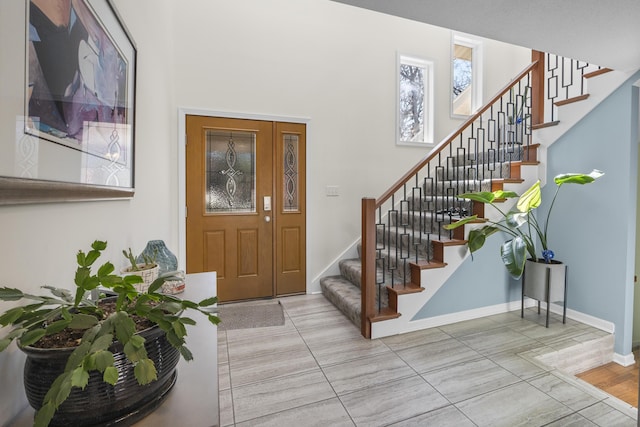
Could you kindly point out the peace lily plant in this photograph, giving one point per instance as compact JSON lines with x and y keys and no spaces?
{"x":521,"y":223}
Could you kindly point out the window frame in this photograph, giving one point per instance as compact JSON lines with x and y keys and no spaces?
{"x":475,"y":45}
{"x":428,"y":99}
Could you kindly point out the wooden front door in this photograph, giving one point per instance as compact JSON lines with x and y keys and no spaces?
{"x":245,"y":205}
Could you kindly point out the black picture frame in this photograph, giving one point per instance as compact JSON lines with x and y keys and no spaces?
{"x":72,"y":141}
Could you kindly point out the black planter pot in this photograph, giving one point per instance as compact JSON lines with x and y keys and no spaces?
{"x":101,"y":404}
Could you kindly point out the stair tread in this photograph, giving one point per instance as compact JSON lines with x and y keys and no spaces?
{"x":344,"y":295}
{"x":450,"y":242}
{"x":385,"y":314}
{"x":597,"y":73}
{"x":571,"y":100}
{"x":353,"y":269}
{"x":408,"y":288}
{"x":545,"y":125}
{"x":509,"y":180}
{"x":426,"y":265}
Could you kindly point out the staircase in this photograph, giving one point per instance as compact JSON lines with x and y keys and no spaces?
{"x":404,"y":246}
{"x":423,"y":232}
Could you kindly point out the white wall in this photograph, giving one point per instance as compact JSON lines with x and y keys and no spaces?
{"x":335,"y":65}
{"x":38,"y":243}
{"x":316,"y":59}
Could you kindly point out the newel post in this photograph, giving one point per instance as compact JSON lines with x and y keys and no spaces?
{"x":537,"y":88}
{"x":368,"y":280}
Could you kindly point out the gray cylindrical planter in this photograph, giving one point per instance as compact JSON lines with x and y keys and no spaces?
{"x":545,"y":282}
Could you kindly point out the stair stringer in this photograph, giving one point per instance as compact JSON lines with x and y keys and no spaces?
{"x":599,"y":88}
{"x":433,"y":279}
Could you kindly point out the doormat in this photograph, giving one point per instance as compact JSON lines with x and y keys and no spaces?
{"x":247,"y":315}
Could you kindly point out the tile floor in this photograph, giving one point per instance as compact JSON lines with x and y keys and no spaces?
{"x":317,"y":370}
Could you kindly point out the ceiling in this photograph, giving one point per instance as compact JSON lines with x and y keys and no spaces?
{"x":602,"y":32}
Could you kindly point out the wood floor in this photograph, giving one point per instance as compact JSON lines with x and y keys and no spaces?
{"x":619,"y":381}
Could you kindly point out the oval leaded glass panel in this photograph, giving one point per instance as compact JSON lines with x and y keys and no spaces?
{"x":230,"y":172}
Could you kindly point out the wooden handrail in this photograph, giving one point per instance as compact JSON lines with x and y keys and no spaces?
{"x":445,"y":142}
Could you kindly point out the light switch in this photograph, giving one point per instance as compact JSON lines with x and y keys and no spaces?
{"x":332,"y":190}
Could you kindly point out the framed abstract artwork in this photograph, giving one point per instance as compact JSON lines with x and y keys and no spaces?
{"x":67,"y":115}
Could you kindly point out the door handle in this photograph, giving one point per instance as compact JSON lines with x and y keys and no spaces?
{"x":267,"y":218}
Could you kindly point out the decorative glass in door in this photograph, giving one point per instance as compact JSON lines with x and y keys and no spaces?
{"x":290,"y":168}
{"x":230,"y":172}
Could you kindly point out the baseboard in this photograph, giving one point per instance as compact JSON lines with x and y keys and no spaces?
{"x":603,"y":325}
{"x":447,"y":319}
{"x":624,"y":360}
{"x":399,"y":326}
{"x":596,"y":322}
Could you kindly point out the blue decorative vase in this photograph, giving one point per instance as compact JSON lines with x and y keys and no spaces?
{"x":165,"y":259}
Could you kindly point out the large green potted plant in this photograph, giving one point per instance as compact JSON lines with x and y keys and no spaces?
{"x":99,"y":361}
{"x":521,"y":224}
